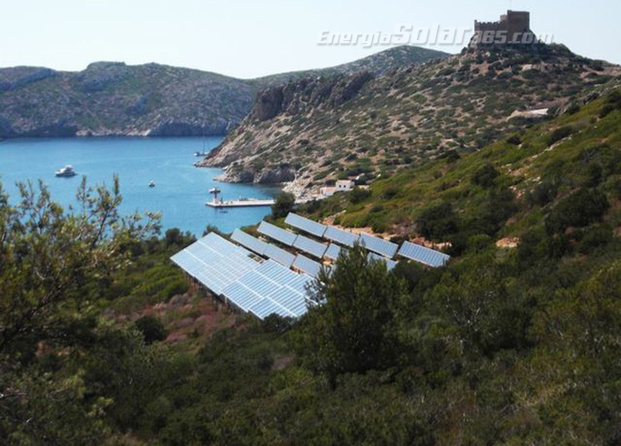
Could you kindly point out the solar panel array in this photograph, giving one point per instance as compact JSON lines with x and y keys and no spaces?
{"x":215,"y":262}
{"x":307,"y":265}
{"x":390,"y":264}
{"x":306,"y":225}
{"x":250,"y":242}
{"x":340,"y":236}
{"x":310,"y":246}
{"x":271,"y":287}
{"x":378,"y":245}
{"x":333,"y":251}
{"x":268,"y":289}
{"x":423,"y":255}
{"x":283,"y":236}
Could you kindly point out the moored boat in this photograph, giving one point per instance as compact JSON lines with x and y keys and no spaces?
{"x":66,"y":172}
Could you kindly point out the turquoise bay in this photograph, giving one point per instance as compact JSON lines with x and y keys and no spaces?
{"x":180,"y":191}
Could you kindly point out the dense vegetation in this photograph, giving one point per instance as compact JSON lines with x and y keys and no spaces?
{"x":502,"y":346}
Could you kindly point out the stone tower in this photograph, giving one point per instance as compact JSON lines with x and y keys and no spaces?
{"x":513,"y":28}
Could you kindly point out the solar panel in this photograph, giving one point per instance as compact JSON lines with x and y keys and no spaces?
{"x":378,"y":245}
{"x":249,"y":241}
{"x":310,"y":226}
{"x":333,"y":251}
{"x":283,"y":236}
{"x":268,"y":307}
{"x":340,"y":236}
{"x":423,"y":255}
{"x":270,"y":288}
{"x":258,"y":288}
{"x":310,"y":246}
{"x":280,"y":255}
{"x":390,"y":264}
{"x":307,"y":265}
{"x":215,"y":262}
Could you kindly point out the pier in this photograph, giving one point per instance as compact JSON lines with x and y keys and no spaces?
{"x":250,"y":202}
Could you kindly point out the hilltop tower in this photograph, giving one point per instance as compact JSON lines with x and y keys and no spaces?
{"x":513,"y":29}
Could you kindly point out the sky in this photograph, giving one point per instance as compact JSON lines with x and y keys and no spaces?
{"x":252,"y":38}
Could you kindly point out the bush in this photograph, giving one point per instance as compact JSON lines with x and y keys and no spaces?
{"x":391,"y":192}
{"x":151,"y":328}
{"x":514,"y":140}
{"x":358,"y":195}
{"x":438,"y":221}
{"x":485,"y":176}
{"x":543,"y":193}
{"x":594,"y":237}
{"x":579,"y":209}
{"x":559,"y":134}
{"x":613,"y":102}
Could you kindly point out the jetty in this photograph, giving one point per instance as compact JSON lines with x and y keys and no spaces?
{"x":244,"y":203}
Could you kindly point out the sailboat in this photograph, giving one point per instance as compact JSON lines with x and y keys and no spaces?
{"x":204,"y":152}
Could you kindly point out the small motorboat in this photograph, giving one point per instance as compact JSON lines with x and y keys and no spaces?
{"x":66,"y":172}
{"x":152,"y":183}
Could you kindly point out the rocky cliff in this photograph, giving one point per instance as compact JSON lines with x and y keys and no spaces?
{"x":109,"y":98}
{"x":363,"y":125}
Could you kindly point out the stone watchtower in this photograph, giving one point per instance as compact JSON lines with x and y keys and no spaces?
{"x":513,"y":28}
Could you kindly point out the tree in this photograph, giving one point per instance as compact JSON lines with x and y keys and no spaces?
{"x":173,"y":236}
{"x":353,"y":331}
{"x":52,"y":258}
{"x":283,"y":205}
{"x":486,"y":314}
{"x":53,"y":266}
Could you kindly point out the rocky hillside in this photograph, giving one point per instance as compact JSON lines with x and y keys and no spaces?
{"x":347,"y":126}
{"x":536,"y":178}
{"x":148,"y":100}
{"x":116,"y":99}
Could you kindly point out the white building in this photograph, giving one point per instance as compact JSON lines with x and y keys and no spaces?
{"x":344,"y":185}
{"x":341,"y":186}
{"x":327,"y":191}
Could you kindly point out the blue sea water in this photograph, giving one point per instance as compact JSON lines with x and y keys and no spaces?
{"x":181,"y":189}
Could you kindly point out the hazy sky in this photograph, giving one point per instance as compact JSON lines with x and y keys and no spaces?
{"x":249,"y":38}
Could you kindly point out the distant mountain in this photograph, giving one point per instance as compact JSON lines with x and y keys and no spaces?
{"x":110,"y":98}
{"x":380,"y":63}
{"x":317,"y":129}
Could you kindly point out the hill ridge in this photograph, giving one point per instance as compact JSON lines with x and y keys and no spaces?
{"x":113,"y":98}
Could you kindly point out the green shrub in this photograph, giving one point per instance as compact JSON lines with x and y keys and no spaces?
{"x":437,"y":221}
{"x":514,"y":140}
{"x":543,"y":193}
{"x":151,"y":328}
{"x":358,"y":195}
{"x":559,"y":134}
{"x":485,"y":176}
{"x":579,"y":209}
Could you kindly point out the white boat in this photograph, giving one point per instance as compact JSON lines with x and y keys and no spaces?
{"x":203,"y":153}
{"x":66,"y":172}
{"x":152,"y":183}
